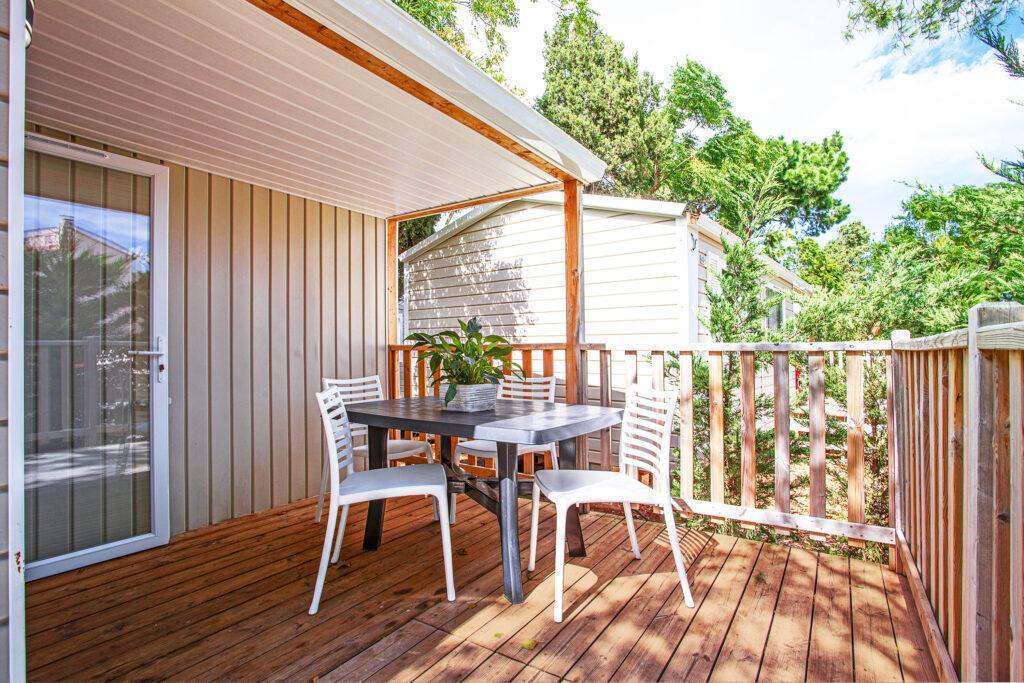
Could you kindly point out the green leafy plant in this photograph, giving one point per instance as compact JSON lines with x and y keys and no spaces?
{"x":475,"y":359}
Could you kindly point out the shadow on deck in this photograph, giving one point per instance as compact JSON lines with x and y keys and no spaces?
{"x":229,"y":602}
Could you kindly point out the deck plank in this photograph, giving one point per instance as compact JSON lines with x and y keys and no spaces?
{"x":604,"y":655}
{"x":785,"y":653}
{"x":745,"y":642}
{"x":697,"y":652}
{"x":915,"y":658}
{"x":874,"y":642}
{"x":624,"y":578}
{"x":648,"y":658}
{"x":384,"y":617}
{"x":830,"y":657}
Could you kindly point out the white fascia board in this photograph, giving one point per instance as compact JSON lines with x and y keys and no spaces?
{"x":458,"y":225}
{"x":381,"y":28}
{"x":650,"y":207}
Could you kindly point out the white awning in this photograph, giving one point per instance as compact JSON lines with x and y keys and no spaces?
{"x":222,"y":86}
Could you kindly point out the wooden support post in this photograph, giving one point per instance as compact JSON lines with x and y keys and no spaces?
{"x":1016,"y":549}
{"x":573,"y":191}
{"x":748,"y":435}
{"x":816,"y":406}
{"x":573,"y":211}
{"x":606,"y":401}
{"x":686,"y":424}
{"x":980,"y":515}
{"x":391,"y":284}
{"x":780,"y":369}
{"x":717,"y":428}
{"x":895,"y":392}
{"x":855,"y":438}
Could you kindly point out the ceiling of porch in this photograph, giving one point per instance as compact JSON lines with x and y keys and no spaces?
{"x":224,"y":87}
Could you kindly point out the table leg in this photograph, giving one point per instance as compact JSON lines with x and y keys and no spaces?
{"x":573,"y":529}
{"x":508,"y":521}
{"x":446,"y":449}
{"x":377,"y":443}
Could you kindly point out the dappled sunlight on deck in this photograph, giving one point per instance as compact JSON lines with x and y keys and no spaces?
{"x":229,"y":602}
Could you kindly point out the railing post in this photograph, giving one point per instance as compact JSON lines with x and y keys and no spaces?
{"x":895,"y":386}
{"x":980,"y":515}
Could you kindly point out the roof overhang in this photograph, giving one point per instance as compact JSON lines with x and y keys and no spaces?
{"x":351,"y":102}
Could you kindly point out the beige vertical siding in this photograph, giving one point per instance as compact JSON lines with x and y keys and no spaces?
{"x":268,"y":292}
{"x":509,"y":269}
{"x":4,"y":607}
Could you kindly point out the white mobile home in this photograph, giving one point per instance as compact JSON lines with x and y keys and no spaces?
{"x":647,"y":267}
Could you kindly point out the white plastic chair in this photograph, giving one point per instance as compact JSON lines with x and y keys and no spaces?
{"x":359,"y":487}
{"x":531,"y":388}
{"x":643,"y":446}
{"x":360,"y":390}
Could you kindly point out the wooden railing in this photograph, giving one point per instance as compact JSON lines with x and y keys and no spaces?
{"x":953,"y":407}
{"x":959,"y":400}
{"x":607,"y":373}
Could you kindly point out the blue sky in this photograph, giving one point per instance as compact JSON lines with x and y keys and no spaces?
{"x":918,"y":116}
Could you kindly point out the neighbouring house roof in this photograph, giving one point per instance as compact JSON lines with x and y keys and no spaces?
{"x":706,"y":225}
{"x":223,"y":86}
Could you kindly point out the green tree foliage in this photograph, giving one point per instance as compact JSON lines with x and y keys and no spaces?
{"x":602,"y":98}
{"x":909,"y":20}
{"x":411,"y":233}
{"x":488,"y":17}
{"x":723,"y":168}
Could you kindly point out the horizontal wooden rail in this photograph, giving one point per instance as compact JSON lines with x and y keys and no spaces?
{"x":770,"y":347}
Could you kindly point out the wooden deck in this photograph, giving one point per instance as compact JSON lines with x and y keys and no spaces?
{"x":229,"y":602}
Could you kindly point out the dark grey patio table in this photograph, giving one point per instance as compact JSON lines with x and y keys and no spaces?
{"x":512,"y":422}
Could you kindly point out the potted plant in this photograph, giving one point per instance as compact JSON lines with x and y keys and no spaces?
{"x":472,"y":367}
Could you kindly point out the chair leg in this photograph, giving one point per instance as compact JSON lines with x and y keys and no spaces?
{"x":325,"y":556}
{"x":553,"y":455}
{"x":341,"y":534}
{"x":446,"y":545}
{"x":451,"y":508}
{"x":434,"y":502}
{"x":323,"y":490}
{"x":677,"y":555}
{"x":535,"y":517}
{"x":559,"y":559}
{"x":627,"y":509}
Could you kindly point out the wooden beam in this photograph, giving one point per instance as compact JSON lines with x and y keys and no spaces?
{"x":785,"y":520}
{"x":488,"y":199}
{"x":391,"y":286}
{"x":315,"y":30}
{"x":573,"y":190}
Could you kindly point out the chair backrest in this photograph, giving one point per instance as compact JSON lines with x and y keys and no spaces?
{"x":646,"y":438}
{"x":338,"y":432}
{"x":531,"y":388}
{"x":357,"y":390}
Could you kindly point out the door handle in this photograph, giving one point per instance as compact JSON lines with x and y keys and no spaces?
{"x":158,"y":352}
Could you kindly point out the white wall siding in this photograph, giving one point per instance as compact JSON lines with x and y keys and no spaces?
{"x":509,"y":269}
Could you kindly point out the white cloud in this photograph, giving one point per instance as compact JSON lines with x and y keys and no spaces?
{"x":922,"y":116}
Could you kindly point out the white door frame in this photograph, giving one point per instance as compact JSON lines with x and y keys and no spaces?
{"x":160,"y":478}
{"x":16,"y":668}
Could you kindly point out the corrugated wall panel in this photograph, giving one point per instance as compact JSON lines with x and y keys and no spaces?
{"x":267,"y":293}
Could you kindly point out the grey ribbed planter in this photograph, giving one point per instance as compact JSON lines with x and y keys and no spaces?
{"x":471,"y":398}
